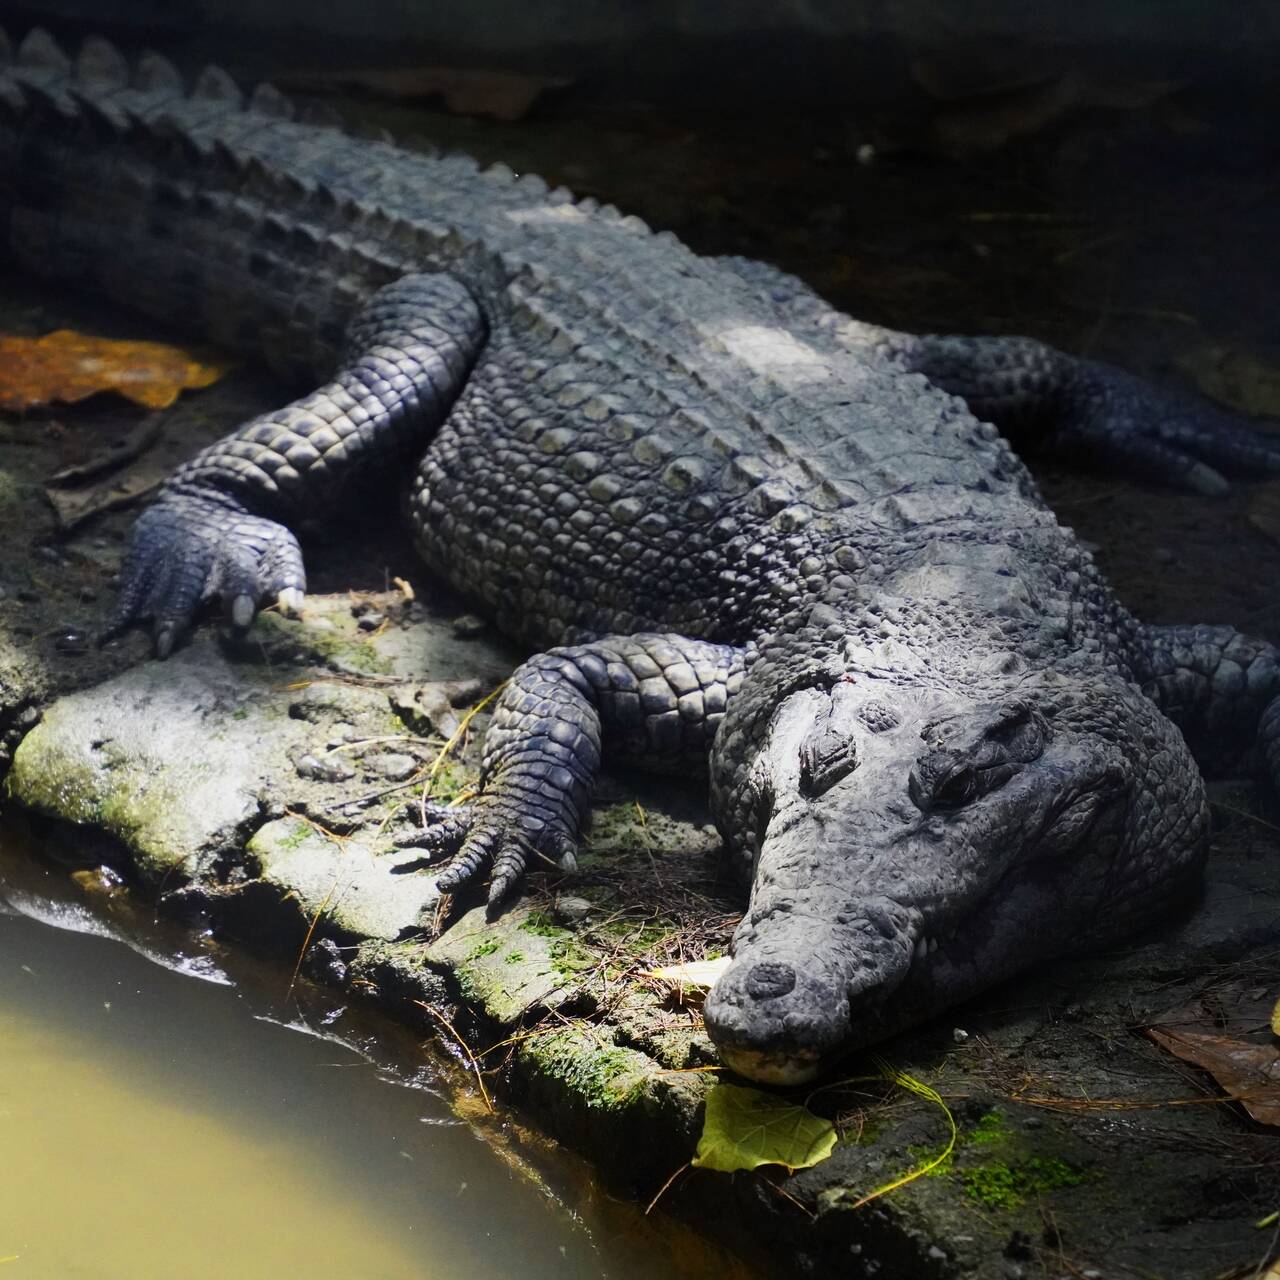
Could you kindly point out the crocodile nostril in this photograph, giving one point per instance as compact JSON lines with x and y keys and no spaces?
{"x":765,"y":981}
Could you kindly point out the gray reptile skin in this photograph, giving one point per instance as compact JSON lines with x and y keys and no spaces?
{"x":752,"y":531}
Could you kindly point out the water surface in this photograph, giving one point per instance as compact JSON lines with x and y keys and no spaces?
{"x":156,"y":1125}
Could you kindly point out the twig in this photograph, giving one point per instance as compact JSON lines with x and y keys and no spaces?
{"x":454,"y":738}
{"x":306,"y":941}
{"x":462,"y":1044}
{"x":662,"y":1189}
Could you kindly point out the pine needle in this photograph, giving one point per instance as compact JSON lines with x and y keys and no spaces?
{"x":918,"y":1087}
{"x":454,"y":738}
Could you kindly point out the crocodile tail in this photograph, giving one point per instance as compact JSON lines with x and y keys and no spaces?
{"x":117,"y":175}
{"x":39,"y":71}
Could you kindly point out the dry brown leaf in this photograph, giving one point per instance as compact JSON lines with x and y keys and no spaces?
{"x":1264,"y":511}
{"x":67,"y":366}
{"x":1248,"y":1072}
{"x":693,"y":979}
{"x":1275,"y":1019}
{"x":501,"y":95}
{"x":986,"y":121}
{"x":1236,"y":379}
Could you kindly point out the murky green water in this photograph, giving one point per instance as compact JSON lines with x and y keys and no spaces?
{"x":153,"y":1124}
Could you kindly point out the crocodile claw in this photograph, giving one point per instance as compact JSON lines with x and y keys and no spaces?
{"x":490,"y":834}
{"x":190,"y":548}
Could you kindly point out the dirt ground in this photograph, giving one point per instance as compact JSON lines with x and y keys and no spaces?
{"x":1142,"y":234}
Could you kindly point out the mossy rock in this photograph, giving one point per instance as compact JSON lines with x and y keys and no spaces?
{"x":511,"y":966}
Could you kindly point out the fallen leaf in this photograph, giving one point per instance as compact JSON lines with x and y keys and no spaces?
{"x":745,"y":1128}
{"x":701,"y":974}
{"x":67,"y":366}
{"x":98,"y":484}
{"x":986,"y":121}
{"x":500,"y":95}
{"x":74,"y":506}
{"x":1236,"y":379}
{"x":1248,"y":1072}
{"x":1275,"y":1019}
{"x":1264,"y":511}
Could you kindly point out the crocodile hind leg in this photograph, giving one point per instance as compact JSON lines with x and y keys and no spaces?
{"x":654,"y":700}
{"x":1088,"y":410}
{"x":1222,"y":689}
{"x":220,"y":526}
{"x":1043,"y":398}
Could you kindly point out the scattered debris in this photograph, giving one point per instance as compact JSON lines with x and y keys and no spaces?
{"x":468,"y":626}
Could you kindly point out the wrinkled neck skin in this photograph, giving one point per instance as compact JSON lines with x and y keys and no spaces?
{"x":923,"y":813}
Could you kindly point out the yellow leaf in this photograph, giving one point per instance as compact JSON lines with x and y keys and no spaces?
{"x":67,"y":366}
{"x":1275,"y":1019}
{"x":1236,"y":379}
{"x":745,"y":1128}
{"x":702,"y":974}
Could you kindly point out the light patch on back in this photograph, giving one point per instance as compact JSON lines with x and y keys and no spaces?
{"x":547,"y":215}
{"x":774,"y":353}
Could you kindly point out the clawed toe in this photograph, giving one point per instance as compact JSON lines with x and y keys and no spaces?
{"x":290,"y":601}
{"x":191,"y":548}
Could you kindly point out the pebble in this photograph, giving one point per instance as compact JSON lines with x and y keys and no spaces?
{"x":959,"y":1035}
{"x":394,"y":765}
{"x":468,"y":626}
{"x":325,"y":962}
{"x":570,"y":910}
{"x":50,"y":554}
{"x":271,"y":807}
{"x":371,"y":621}
{"x":462,"y":693}
{"x":28,"y":595}
{"x":71,"y":640}
{"x":330,"y":769}
{"x":87,"y":595}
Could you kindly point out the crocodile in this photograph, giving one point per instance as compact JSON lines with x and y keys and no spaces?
{"x":741,"y":533}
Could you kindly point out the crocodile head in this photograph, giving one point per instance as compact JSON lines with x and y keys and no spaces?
{"x":916,"y":840}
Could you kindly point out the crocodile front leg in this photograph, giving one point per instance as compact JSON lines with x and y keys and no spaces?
{"x":219,"y":528}
{"x":1221,"y":688}
{"x":652,"y":700}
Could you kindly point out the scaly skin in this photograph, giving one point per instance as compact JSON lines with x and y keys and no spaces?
{"x":752,"y":531}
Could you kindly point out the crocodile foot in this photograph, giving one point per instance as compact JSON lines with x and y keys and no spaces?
{"x":190,"y":548}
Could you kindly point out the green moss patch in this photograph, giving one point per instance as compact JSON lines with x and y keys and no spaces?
{"x":1004,"y":1186}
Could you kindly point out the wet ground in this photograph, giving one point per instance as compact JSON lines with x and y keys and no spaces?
{"x":1142,"y":234}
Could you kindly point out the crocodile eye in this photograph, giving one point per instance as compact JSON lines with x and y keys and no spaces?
{"x":944,"y":781}
{"x":826,"y":756}
{"x":956,"y":788}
